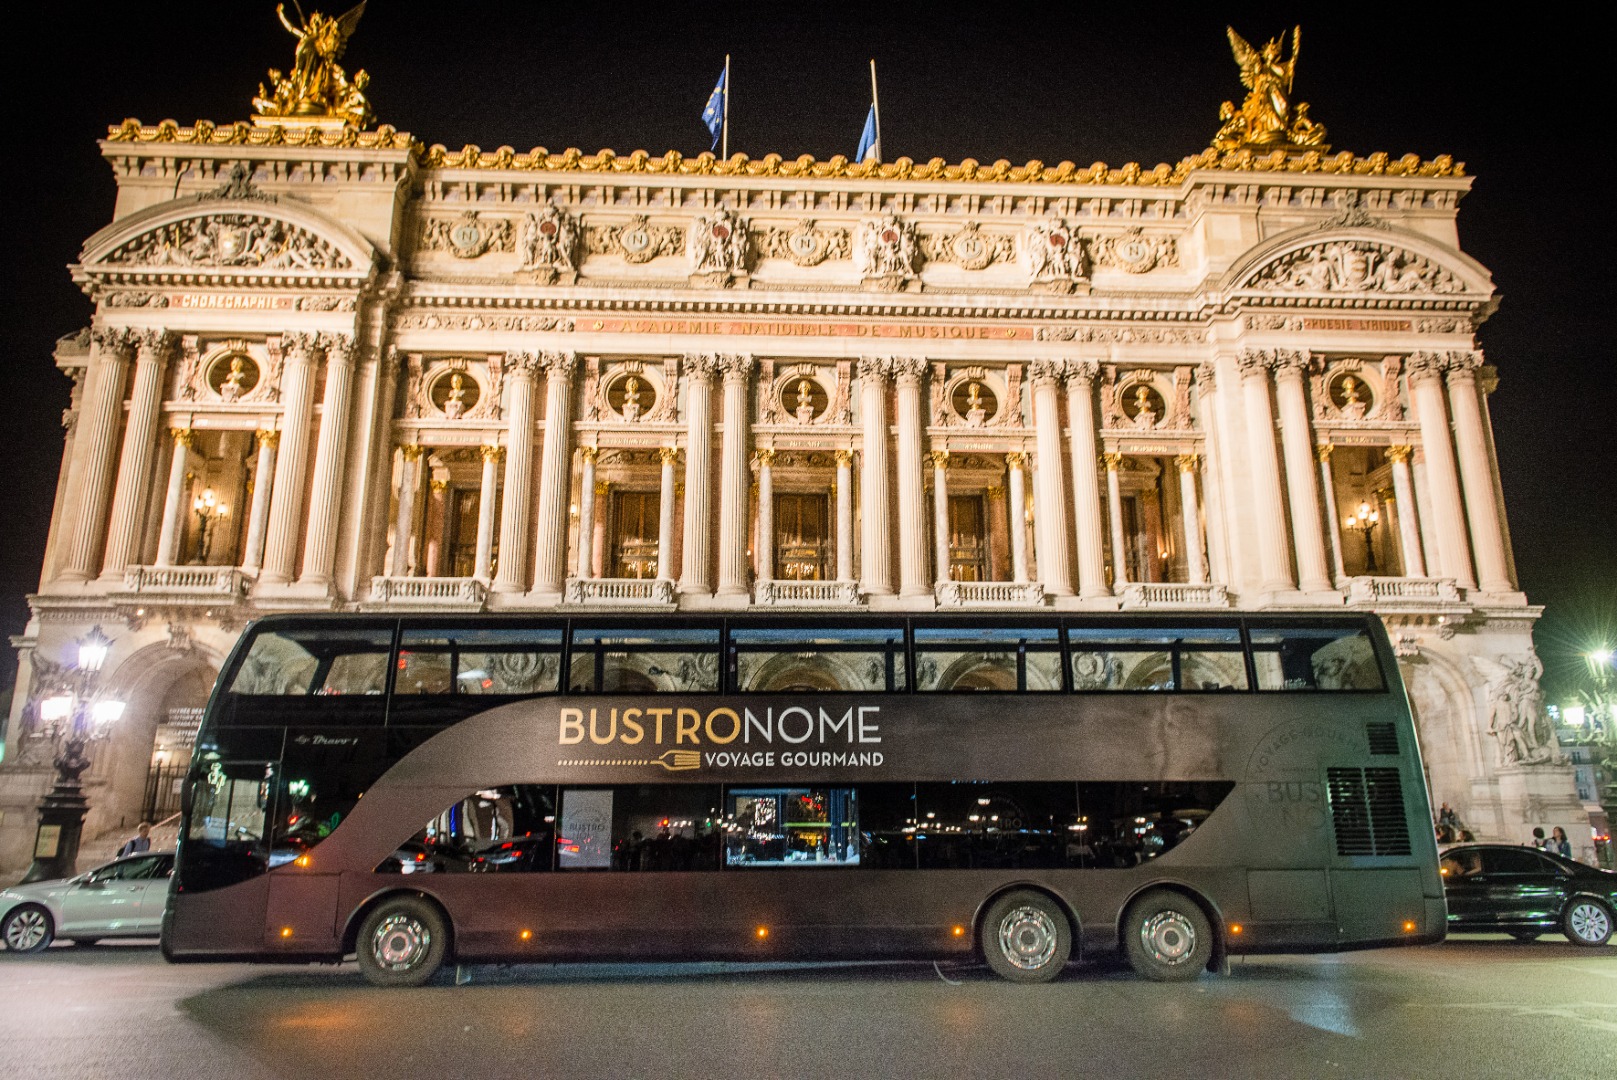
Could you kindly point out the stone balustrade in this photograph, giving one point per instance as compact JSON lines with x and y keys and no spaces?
{"x":1174,"y":594}
{"x":834,"y":594}
{"x":201,"y":582}
{"x":620,"y":592}
{"x":428,"y":592}
{"x":990,"y":594}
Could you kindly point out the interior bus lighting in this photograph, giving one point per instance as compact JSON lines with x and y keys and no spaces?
{"x":762,"y":932}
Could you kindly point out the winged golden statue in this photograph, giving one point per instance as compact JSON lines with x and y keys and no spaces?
{"x":1267,"y":118}
{"x":317,"y":87}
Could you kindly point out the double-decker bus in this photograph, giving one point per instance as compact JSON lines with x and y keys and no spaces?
{"x":1027,"y":790}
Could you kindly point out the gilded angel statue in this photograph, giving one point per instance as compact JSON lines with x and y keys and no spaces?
{"x":1266,"y":118}
{"x":317,"y":86}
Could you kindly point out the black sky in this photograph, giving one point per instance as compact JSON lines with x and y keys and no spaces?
{"x":1521,"y":101}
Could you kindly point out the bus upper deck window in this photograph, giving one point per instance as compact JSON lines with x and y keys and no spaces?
{"x":975,"y":658}
{"x":644,"y":660}
{"x":324,"y":660}
{"x":454,"y":660}
{"x":794,"y":659}
{"x":1315,"y":658}
{"x":1171,"y":658}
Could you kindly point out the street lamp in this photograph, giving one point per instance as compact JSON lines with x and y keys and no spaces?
{"x":72,"y":717}
{"x":1365,"y":522}
{"x":209,"y":511}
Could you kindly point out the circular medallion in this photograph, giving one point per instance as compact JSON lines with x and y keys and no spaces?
{"x":233,"y":377}
{"x":1058,"y":239}
{"x":466,"y":237}
{"x":971,"y":250}
{"x":630,"y":396}
{"x":889,"y":236}
{"x":805,"y":248}
{"x":803,"y":399}
{"x":974,"y":402}
{"x":637,"y":243}
{"x":721,"y":231}
{"x":454,"y":393}
{"x":547,"y":228}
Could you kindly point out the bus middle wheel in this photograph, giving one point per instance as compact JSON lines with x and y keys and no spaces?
{"x":402,"y":942}
{"x":1166,"y":937}
{"x":1026,"y":937}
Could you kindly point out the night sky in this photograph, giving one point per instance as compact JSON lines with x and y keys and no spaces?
{"x":1521,"y":102}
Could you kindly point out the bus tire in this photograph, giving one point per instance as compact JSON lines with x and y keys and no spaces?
{"x":1587,"y":922}
{"x":1166,"y":937}
{"x":402,"y":942}
{"x":1026,"y":937}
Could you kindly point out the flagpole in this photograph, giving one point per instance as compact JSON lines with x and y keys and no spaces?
{"x":875,"y":106}
{"x":726,"y":129}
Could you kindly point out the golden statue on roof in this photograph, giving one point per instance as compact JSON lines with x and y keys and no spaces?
{"x":317,"y":88}
{"x":1266,"y":119}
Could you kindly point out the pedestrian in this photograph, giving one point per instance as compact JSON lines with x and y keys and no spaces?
{"x":1559,"y":843}
{"x":1538,"y":841}
{"x":138,"y":843}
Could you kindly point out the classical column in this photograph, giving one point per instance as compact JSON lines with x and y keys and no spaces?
{"x":292,"y":463}
{"x":1476,"y":473}
{"x":1210,"y":415}
{"x":512,"y":575}
{"x":168,"y":537}
{"x":1080,"y":375}
{"x":907,"y":372}
{"x":844,"y":515}
{"x":1333,"y":522}
{"x":1426,"y":388}
{"x":1014,"y":463}
{"x":1050,"y":497}
{"x":135,"y":462}
{"x":734,"y":477}
{"x":1195,"y":558}
{"x":699,"y":372}
{"x":603,"y":495}
{"x":98,"y":427}
{"x":555,"y":474}
{"x":1408,"y":519}
{"x":432,"y":526}
{"x":877,"y":562}
{"x":258,"y":514}
{"x":330,"y":458}
{"x":1268,"y":516}
{"x":1298,"y":443}
{"x":665,"y":514}
{"x":485,"y":512}
{"x":403,"y":529}
{"x":940,"y":512}
{"x":586,"y":513}
{"x":766,"y":515}
{"x":1114,"y":505}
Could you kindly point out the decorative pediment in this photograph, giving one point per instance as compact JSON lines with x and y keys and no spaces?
{"x":258,"y":241}
{"x":1360,"y":261}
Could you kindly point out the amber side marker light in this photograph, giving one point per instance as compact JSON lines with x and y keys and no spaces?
{"x":1236,"y":928}
{"x":960,"y":931}
{"x":762,"y":932}
{"x":525,"y":935}
{"x":301,"y":860}
{"x":1409,"y":926}
{"x":286,"y":931}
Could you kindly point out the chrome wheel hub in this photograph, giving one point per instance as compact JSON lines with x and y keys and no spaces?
{"x":1590,"y":922}
{"x":400,"y":942}
{"x":1027,"y":937}
{"x":1168,"y":937}
{"x":26,"y":930}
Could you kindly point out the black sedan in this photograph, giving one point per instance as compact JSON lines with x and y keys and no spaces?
{"x":1524,"y":893}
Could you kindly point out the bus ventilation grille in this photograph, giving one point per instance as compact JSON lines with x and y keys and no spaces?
{"x":1383,"y":739}
{"x":1367,"y":810}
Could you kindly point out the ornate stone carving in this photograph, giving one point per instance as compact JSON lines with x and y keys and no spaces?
{"x":1010,"y":413}
{"x":1123,"y":335}
{"x":523,"y":363}
{"x":1045,"y":371}
{"x":447,"y":320}
{"x":1052,"y":256}
{"x":908,"y":369}
{"x":841,"y":410}
{"x":666,"y":408}
{"x":236,"y":240}
{"x":875,"y":367}
{"x":127,"y":299}
{"x":885,"y":253}
{"x":546,"y":243}
{"x":805,"y":244}
{"x":737,"y":367}
{"x":700,"y":365}
{"x":637,"y":241}
{"x":1516,"y":713}
{"x":1354,"y":266}
{"x":326,"y":303}
{"x":467,"y":236}
{"x":969,"y":248}
{"x":1134,"y":252}
{"x":716,"y":245}
{"x":558,"y":363}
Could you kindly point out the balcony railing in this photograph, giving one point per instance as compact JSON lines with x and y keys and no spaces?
{"x":807,"y":594}
{"x":428,"y":592}
{"x":1173,"y":594}
{"x":965,"y":594}
{"x":620,"y":592}
{"x":1374,"y":591}
{"x":201,"y":582}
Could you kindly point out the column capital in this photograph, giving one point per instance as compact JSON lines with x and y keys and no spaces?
{"x":603,"y":487}
{"x":1207,"y":377}
{"x":668,"y":455}
{"x":1423,"y":366}
{"x":116,"y":339}
{"x":521,"y":363}
{"x":994,"y":491}
{"x":491,"y":453}
{"x":339,"y":348}
{"x":411,"y":451}
{"x":737,"y":367}
{"x":1081,"y":372}
{"x":1112,"y":461}
{"x":1255,"y":363}
{"x":1461,"y":365}
{"x":1046,"y":372}
{"x":699,"y":365}
{"x":1289,"y":364}
{"x":438,"y":486}
{"x":909,"y":369}
{"x":1187,"y":462}
{"x":1015,"y":460}
{"x":589,"y":453}
{"x":299,"y":344}
{"x":155,"y":343}
{"x":558,"y":364}
{"x":266,"y":437}
{"x":844,"y":458}
{"x":875,"y":367}
{"x":765,"y":456}
{"x":1322,"y":452}
{"x":1397,"y":454}
{"x":184,"y":436}
{"x":940,"y":459}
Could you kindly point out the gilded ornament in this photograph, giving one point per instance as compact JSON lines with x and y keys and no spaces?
{"x":1266,"y":119}
{"x":317,"y":88}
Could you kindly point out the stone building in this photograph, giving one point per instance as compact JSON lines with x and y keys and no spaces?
{"x":331,"y":368}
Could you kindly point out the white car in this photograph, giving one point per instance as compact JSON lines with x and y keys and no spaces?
{"x":124,"y":898}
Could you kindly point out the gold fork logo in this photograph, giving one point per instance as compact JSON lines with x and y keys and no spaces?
{"x":680,"y":760}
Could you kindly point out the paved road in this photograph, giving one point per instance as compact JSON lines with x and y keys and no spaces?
{"x":1474,"y":1007}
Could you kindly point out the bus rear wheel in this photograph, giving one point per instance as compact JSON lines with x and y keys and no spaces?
{"x":1026,"y":937}
{"x":402,"y":942}
{"x":1166,"y":937}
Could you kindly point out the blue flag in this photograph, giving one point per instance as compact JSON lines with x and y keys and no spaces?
{"x":869,"y":141}
{"x":713,"y":115}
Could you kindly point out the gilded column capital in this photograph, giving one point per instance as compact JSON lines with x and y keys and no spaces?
{"x":765,"y":457}
{"x":411,"y":451}
{"x":558,"y":364}
{"x":589,"y":453}
{"x":737,"y":367}
{"x":184,"y":436}
{"x":875,"y":367}
{"x":994,"y":491}
{"x":699,"y":365}
{"x":438,"y":486}
{"x":492,"y":453}
{"x":1112,"y":461}
{"x":1015,"y":460}
{"x":1397,"y":454}
{"x":1187,"y":462}
{"x":267,"y":437}
{"x":1322,"y":452}
{"x":603,"y":488}
{"x":844,"y":458}
{"x":940,"y":458}
{"x":668,"y":455}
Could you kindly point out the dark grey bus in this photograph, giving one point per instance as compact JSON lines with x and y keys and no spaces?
{"x":1024,"y":790}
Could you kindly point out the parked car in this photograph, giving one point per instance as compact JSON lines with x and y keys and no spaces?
{"x":1524,"y":893}
{"x":124,"y":898}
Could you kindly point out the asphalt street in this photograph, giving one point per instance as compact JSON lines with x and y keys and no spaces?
{"x":1475,"y":1007}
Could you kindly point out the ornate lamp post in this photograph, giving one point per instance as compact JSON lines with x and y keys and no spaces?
{"x":72,"y":718}
{"x":209,"y":511}
{"x":1364,"y":522}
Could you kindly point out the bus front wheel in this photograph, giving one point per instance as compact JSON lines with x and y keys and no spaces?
{"x":1026,"y":937}
{"x":402,"y":942}
{"x":1166,"y":937}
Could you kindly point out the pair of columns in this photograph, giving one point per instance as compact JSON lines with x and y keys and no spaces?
{"x":403,"y":563}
